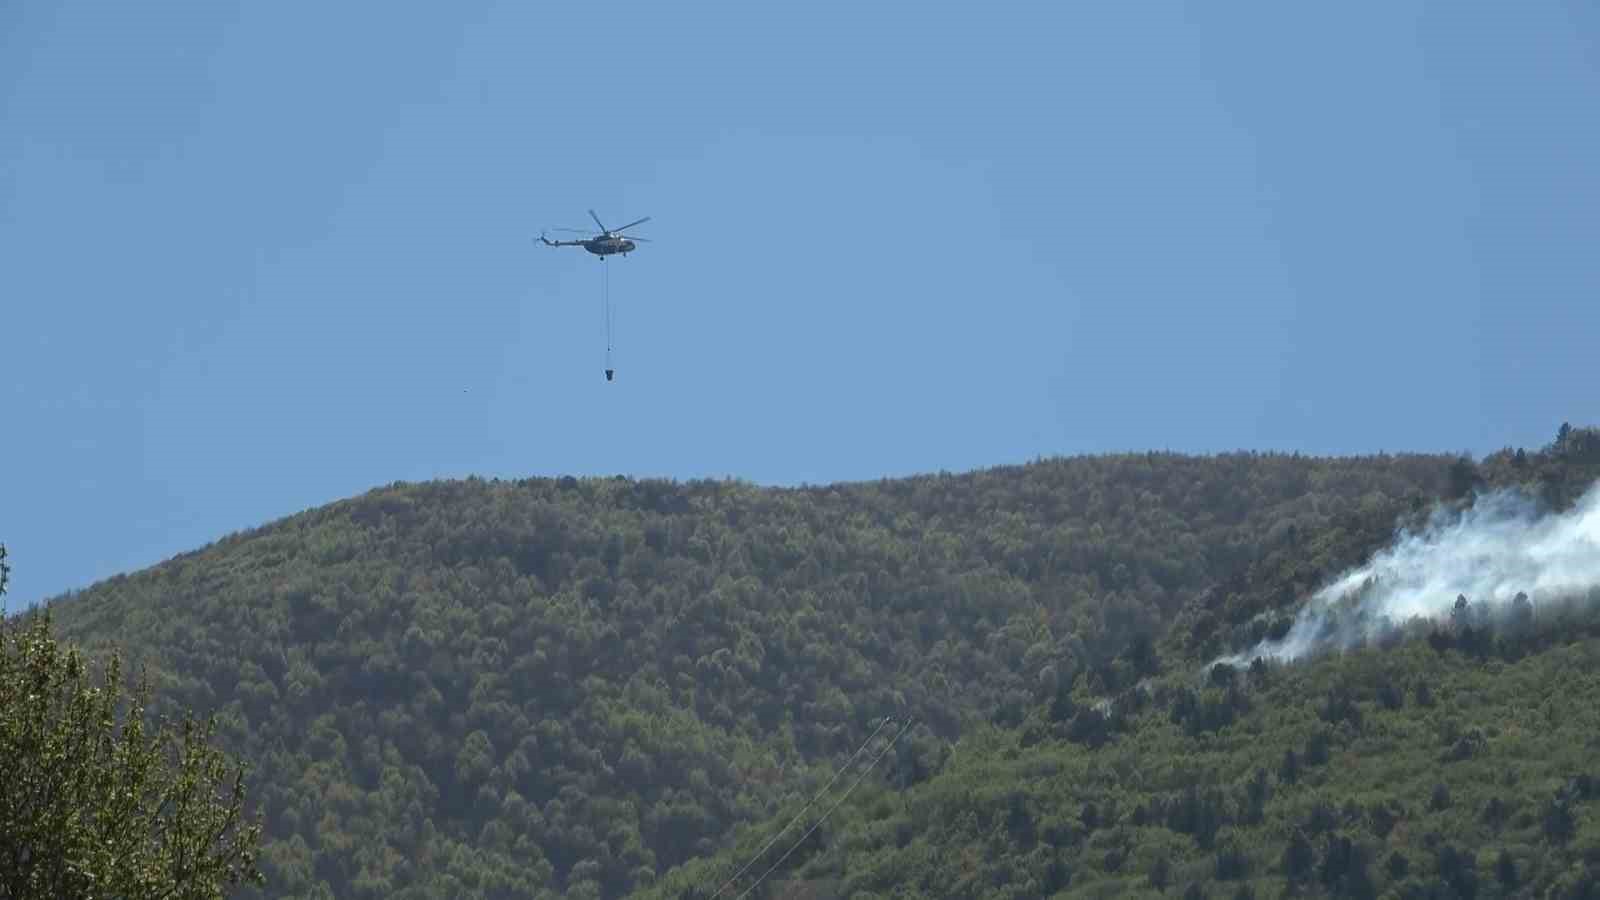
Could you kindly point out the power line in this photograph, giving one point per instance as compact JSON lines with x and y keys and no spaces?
{"x":835,"y":806}
{"x":829,"y":786}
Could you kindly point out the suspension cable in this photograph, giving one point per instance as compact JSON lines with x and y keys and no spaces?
{"x":836,"y":805}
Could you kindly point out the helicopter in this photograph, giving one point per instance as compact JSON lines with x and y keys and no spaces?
{"x":603,"y":244}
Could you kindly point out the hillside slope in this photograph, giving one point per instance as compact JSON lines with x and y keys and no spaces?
{"x":1424,"y":773}
{"x":523,"y":689}
{"x":1452,"y":758}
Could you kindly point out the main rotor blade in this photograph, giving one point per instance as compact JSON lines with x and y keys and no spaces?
{"x":572,"y":230}
{"x":597,"y":221}
{"x":631,"y":224}
{"x":632,"y":238}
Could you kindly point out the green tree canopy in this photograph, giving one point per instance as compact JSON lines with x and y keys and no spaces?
{"x":94,"y":802}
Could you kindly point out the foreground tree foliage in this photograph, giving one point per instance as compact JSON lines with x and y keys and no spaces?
{"x":597,"y":687}
{"x":94,"y":803}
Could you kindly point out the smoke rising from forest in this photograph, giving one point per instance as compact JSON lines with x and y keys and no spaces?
{"x":1490,"y":552}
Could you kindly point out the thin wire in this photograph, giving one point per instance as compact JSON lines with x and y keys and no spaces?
{"x":818,"y":796}
{"x":875,"y":761}
{"x":605,"y":310}
{"x":835,"y":806}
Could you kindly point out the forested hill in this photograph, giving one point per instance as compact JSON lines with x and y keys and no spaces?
{"x":545,"y":687}
{"x":1458,"y":760}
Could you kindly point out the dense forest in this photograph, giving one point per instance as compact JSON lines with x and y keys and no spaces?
{"x":597,"y":687}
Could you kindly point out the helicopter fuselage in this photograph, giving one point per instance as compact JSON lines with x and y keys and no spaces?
{"x":605,"y":246}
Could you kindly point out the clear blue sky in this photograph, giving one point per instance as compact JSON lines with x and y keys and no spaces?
{"x":257,"y":257}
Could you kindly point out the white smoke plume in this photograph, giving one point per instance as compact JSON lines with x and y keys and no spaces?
{"x":1499,"y":547}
